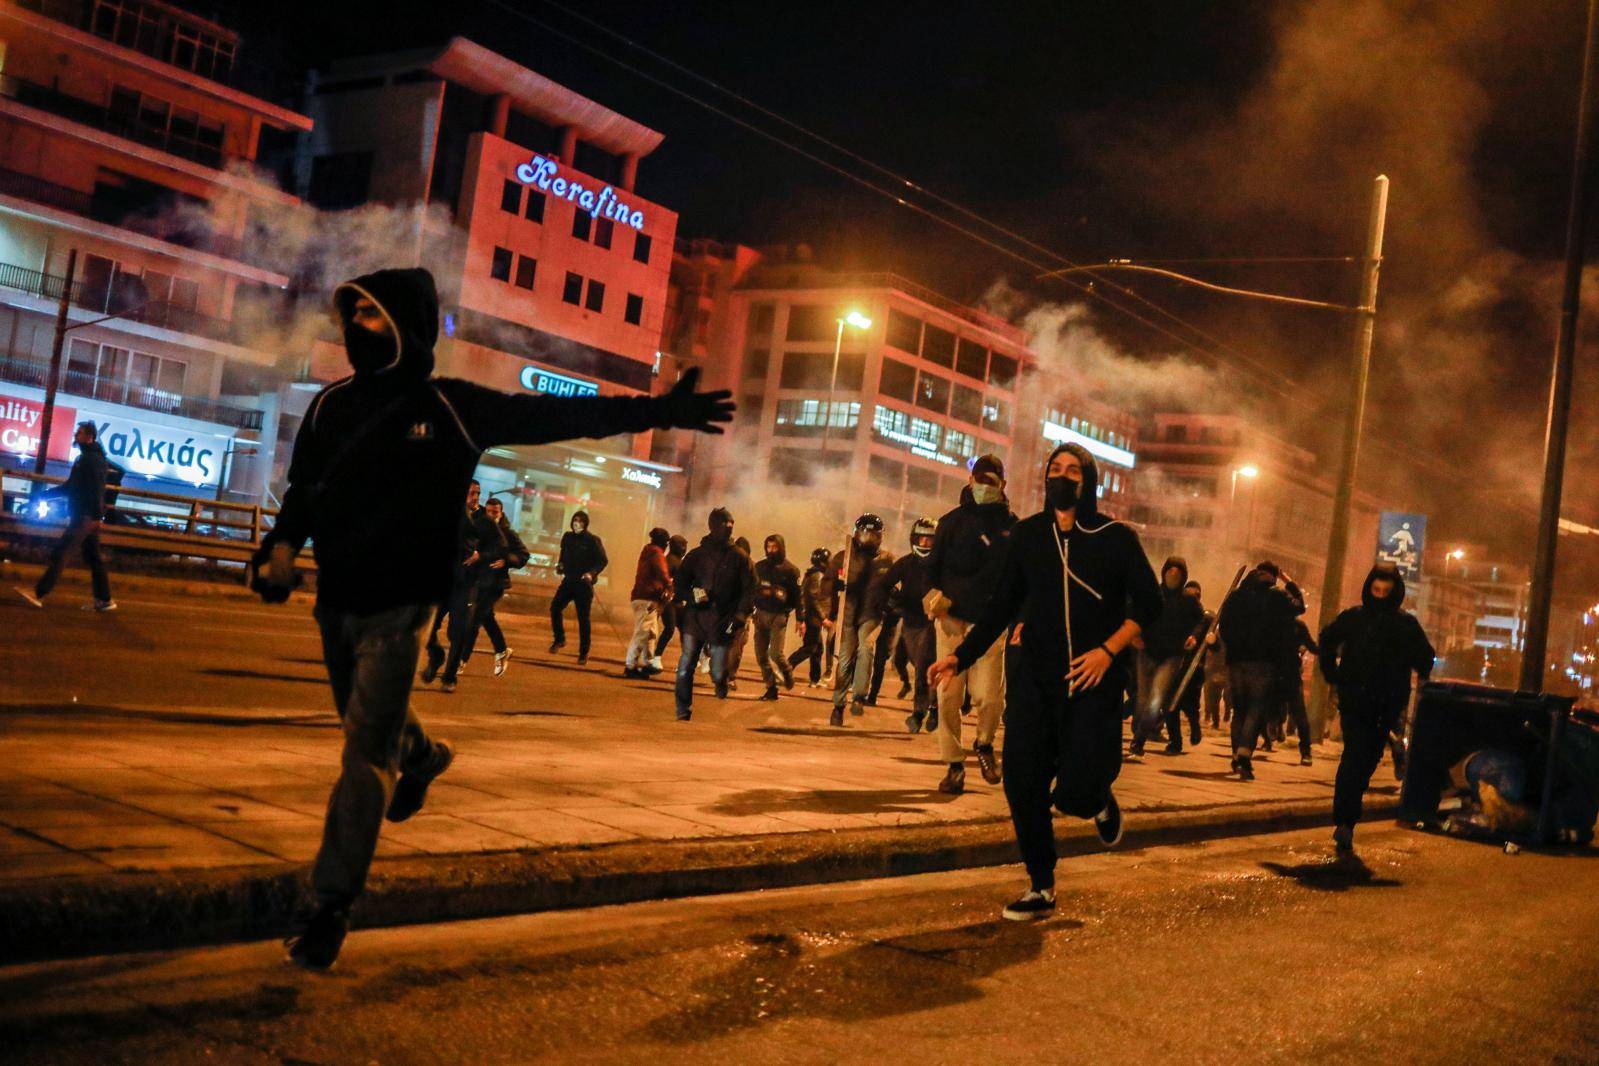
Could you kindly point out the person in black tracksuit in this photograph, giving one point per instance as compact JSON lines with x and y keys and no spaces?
{"x":84,"y":493}
{"x":676,"y":548}
{"x":462,"y":602}
{"x":1082,"y":589}
{"x":380,"y":466}
{"x":500,"y":550}
{"x":777,"y":596}
{"x":1187,"y":702}
{"x":1176,"y":632}
{"x":1368,"y":654}
{"x":581,"y":561}
{"x":1290,"y":677}
{"x":816,"y":592}
{"x":904,"y":588}
{"x":715,"y":590}
{"x":1256,"y":622}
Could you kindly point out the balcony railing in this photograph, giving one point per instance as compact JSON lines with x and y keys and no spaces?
{"x":24,"y":370}
{"x":100,"y":117}
{"x":112,"y":299}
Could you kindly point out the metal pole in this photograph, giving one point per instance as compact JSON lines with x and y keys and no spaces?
{"x":48,"y":415}
{"x":1349,"y":462}
{"x":1535,"y":646}
{"x":832,"y":385}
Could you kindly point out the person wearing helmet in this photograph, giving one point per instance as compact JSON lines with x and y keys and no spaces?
{"x":1081,"y":588}
{"x":777,"y":595}
{"x":903,"y":588}
{"x":857,"y":627}
{"x":966,"y":554}
{"x":652,"y":586}
{"x":816,"y":592}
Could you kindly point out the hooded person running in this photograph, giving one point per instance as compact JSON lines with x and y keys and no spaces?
{"x":581,"y":562}
{"x":1176,"y":631}
{"x":777,"y":595}
{"x":715,"y":592}
{"x":379,"y":469}
{"x":1368,"y":654}
{"x":1081,"y":587}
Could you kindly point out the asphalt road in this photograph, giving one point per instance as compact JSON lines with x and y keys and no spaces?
{"x":1254,"y":949}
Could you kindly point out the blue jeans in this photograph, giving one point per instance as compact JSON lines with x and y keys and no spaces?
{"x":370,"y":660}
{"x":689,"y":662}
{"x":1254,"y":691}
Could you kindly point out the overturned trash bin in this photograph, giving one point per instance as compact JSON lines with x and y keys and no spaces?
{"x":1525,"y":765}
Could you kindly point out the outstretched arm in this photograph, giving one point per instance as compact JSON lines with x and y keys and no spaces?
{"x":490,"y":417}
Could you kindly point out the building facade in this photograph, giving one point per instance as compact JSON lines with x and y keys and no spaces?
{"x":126,"y":150}
{"x":552,"y":268}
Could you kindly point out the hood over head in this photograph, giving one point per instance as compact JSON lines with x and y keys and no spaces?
{"x":410,"y":301}
{"x":660,"y":537}
{"x":1395,"y":599}
{"x":678,"y":545}
{"x":1182,"y":569}
{"x":782,"y":545}
{"x":1088,"y":497}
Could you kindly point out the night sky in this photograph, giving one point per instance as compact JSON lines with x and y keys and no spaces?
{"x":1149,"y":130}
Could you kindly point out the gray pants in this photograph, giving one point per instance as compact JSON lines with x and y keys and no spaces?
{"x":771,"y":633}
{"x":854,"y":670}
{"x":370,"y":659}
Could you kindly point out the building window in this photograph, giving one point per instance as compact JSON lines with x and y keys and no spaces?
{"x":938,"y":345}
{"x":885,"y":472}
{"x":1001,"y":371}
{"x":596,"y":296}
{"x":904,"y":332}
{"x":756,"y":361}
{"x":526,"y":266}
{"x":898,"y":380}
{"x":572,"y":291}
{"x":811,"y":322}
{"x":921,"y":482}
{"x":534,"y":212}
{"x":603,"y":229}
{"x":996,"y":415}
{"x":582,"y":224}
{"x":500,"y":269}
{"x":960,"y":444}
{"x":972,"y":360}
{"x":762,"y":316}
{"x":641,"y":247}
{"x":806,"y":370}
{"x":809,"y":418}
{"x":932,"y":392}
{"x":967,"y":405}
{"x":511,"y":196}
{"x":634,"y":314}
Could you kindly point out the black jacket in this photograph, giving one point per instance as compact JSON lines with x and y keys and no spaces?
{"x":816,"y":595}
{"x":1181,"y":616}
{"x":1368,"y":652}
{"x":383,"y":457}
{"x":863,"y":604}
{"x":1111,"y":581}
{"x":777,"y":582}
{"x":84,"y":488}
{"x":1257,"y":623}
{"x":581,"y":553}
{"x":499,"y":542}
{"x":966,"y":554}
{"x":727,"y":579}
{"x":904,"y":587}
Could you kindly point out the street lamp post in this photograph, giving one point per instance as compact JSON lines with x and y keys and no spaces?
{"x":1249,"y":471}
{"x":859,"y":321}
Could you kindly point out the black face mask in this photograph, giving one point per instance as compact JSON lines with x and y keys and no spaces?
{"x":774,"y":556}
{"x":1061,"y":492}
{"x":368,"y":352}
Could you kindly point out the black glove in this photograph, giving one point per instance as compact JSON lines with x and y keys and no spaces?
{"x":685,"y":408}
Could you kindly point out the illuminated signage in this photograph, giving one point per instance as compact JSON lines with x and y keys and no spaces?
{"x":599,"y":203}
{"x":536,"y":380}
{"x":642,"y":477}
{"x":1109,"y":452}
{"x":20,"y":427}
{"x":158,"y":451}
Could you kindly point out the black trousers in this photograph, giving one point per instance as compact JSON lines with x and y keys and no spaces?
{"x":83,"y":534}
{"x":888,"y":641}
{"x":1253,"y":691}
{"x":484,"y":621}
{"x":579,"y":594}
{"x":668,"y":628}
{"x":1060,"y":751}
{"x":813,"y":647}
{"x":1187,"y":707}
{"x":1366,"y":730}
{"x":1295,"y":712}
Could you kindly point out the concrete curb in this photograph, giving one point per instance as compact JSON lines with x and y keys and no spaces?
{"x":66,"y":917}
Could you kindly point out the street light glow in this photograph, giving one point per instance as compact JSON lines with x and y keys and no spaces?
{"x":1249,"y":471}
{"x":1458,"y":554}
{"x":858,"y":320}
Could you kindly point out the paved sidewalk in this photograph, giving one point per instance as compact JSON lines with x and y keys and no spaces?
{"x":182,"y":735}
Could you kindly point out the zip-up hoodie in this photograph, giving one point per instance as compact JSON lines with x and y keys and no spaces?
{"x":383,"y":457}
{"x":1181,"y":616}
{"x":1071,"y":592}
{"x":777,"y":581}
{"x":967,"y":548}
{"x":1369,"y":651}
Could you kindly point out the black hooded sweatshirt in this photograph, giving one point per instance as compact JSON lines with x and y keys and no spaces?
{"x":1256,"y":621}
{"x":84,"y":488}
{"x":581,"y":553}
{"x":383,"y":457}
{"x":724,"y":574}
{"x":777,"y":581}
{"x":1110,"y":581}
{"x":967,"y":549}
{"x":1181,"y":616}
{"x":1368,"y":652}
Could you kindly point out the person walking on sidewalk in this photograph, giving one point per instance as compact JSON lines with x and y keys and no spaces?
{"x":458,"y":607}
{"x":676,"y":549}
{"x":499,"y":552}
{"x":1257,"y":624}
{"x":1215,"y":667}
{"x":475,"y":537}
{"x":1176,"y":631}
{"x":856,"y":627}
{"x":816,"y":596}
{"x":84,"y":493}
{"x":581,"y":562}
{"x":1291,"y":678}
{"x":1081,"y":588}
{"x":376,"y":478}
{"x":741,"y":639}
{"x":960,"y":571}
{"x":904,"y":588}
{"x":652,"y":587}
{"x":1187,"y":703}
{"x":1368,"y":654}
{"x":715,"y":594}
{"x":777,"y":595}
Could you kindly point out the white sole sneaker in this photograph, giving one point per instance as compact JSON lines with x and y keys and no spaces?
{"x":33,"y":600}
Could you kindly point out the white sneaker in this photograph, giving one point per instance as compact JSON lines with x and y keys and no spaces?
{"x":101,"y":606}
{"x":1031,"y":907}
{"x":502,"y":659}
{"x":655,"y":666}
{"x":25,"y":594}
